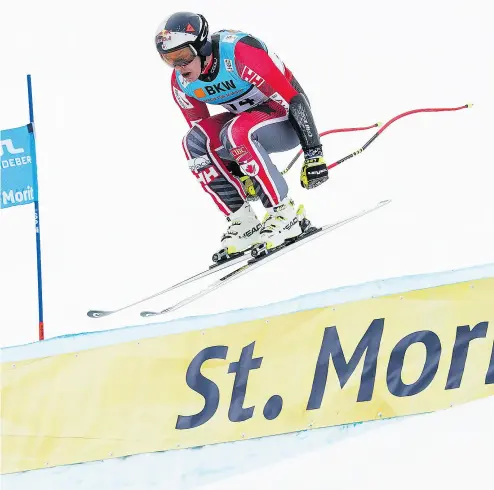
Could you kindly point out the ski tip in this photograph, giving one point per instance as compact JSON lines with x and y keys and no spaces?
{"x":97,"y":313}
{"x":147,"y":314}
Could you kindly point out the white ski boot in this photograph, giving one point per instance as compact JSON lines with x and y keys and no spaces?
{"x":281,"y":223}
{"x":242,"y":233}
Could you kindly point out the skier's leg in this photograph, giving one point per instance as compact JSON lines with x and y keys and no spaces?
{"x":203,"y":148}
{"x":200,"y":146}
{"x":250,"y":138}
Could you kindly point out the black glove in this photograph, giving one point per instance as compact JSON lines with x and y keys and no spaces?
{"x":314,"y":170}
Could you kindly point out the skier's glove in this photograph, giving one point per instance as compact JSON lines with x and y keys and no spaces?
{"x":314,"y":170}
{"x":249,"y":189}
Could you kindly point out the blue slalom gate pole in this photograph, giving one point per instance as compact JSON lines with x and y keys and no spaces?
{"x":37,"y":223}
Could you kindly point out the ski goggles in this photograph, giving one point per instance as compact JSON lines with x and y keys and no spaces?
{"x":179,"y":57}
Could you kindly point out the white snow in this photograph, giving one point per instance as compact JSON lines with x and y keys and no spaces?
{"x":450,"y":449}
{"x":185,"y":469}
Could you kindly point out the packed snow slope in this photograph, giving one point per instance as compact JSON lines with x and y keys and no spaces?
{"x":448,"y":449}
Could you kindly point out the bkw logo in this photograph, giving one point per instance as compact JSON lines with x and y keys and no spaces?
{"x":215,"y":88}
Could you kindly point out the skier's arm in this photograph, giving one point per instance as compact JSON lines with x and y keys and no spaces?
{"x":193,"y":110}
{"x":255,"y":65}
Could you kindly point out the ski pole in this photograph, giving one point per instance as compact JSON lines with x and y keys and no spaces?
{"x":391,"y":121}
{"x":324,"y":133}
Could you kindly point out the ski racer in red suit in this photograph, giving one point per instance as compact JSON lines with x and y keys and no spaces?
{"x":266,"y":112}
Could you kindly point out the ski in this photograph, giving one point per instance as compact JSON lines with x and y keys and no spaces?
{"x":212,"y":269}
{"x":254,"y":263}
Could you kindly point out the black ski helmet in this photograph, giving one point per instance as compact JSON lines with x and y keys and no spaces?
{"x":184,"y":29}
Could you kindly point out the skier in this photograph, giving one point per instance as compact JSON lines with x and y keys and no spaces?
{"x":267,"y":112}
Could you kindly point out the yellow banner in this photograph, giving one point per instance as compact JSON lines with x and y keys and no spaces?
{"x":395,"y":355}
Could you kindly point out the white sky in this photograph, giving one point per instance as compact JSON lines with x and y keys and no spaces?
{"x":121,"y":216}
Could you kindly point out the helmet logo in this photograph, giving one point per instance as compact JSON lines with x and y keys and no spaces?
{"x":163,"y":37}
{"x":190,"y":28}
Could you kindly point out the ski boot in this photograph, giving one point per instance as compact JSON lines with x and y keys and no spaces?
{"x":282,"y":224}
{"x":241,"y":235}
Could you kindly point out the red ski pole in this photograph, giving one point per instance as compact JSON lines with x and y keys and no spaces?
{"x":391,"y":121}
{"x":324,"y":133}
{"x":360,"y":150}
